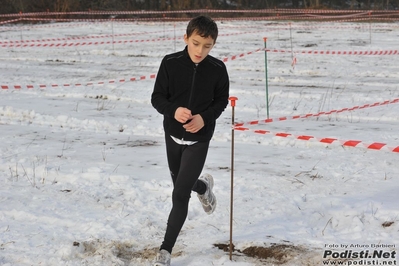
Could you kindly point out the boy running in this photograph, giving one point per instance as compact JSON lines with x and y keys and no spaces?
{"x":191,"y":91}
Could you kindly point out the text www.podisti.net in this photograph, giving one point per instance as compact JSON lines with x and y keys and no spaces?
{"x":363,"y":257}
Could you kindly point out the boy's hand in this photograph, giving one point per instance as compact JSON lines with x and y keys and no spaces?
{"x":195,"y":124}
{"x":183,"y":114}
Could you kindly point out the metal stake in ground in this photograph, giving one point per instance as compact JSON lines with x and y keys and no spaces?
{"x":233,"y":104}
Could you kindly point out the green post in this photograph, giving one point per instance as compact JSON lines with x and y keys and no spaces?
{"x":267,"y":87}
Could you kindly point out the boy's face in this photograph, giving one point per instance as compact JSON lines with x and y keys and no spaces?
{"x":198,"y":47}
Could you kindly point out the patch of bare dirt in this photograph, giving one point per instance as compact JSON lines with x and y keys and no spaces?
{"x":276,"y":254}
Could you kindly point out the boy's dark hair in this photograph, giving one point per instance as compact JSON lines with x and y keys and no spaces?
{"x":204,"y":26}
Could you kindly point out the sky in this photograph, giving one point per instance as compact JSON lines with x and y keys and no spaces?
{"x":83,"y":171}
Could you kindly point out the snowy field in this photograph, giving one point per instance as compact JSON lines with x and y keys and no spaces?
{"x":83,"y":173}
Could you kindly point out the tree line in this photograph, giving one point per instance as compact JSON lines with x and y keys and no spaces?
{"x":25,"y":6}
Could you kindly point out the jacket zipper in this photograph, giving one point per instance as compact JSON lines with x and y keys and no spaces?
{"x":191,"y":94}
{"x":192,"y":88}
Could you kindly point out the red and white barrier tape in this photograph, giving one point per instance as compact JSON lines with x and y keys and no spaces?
{"x":234,"y":57}
{"x":143,"y":12}
{"x":55,"y":25}
{"x":347,"y":143}
{"x":330,"y":11}
{"x":318,"y":26}
{"x":319,"y":52}
{"x":102,"y":19}
{"x":74,"y":44}
{"x":44,"y":86}
{"x":14,"y":42}
{"x":368,"y":19}
{"x":285,"y":118}
{"x":381,"y":52}
{"x":9,"y":21}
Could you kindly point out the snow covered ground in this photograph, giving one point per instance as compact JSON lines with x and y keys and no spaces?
{"x":83,"y":171}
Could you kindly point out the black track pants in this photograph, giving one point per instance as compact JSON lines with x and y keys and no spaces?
{"x":185,"y":164}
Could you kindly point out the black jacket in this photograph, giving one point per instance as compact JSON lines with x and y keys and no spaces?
{"x":202,"y":88}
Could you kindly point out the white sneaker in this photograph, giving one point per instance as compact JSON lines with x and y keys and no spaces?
{"x":163,"y":258}
{"x":208,"y":199}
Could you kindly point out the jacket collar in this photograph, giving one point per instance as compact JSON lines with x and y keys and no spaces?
{"x":185,"y":51}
